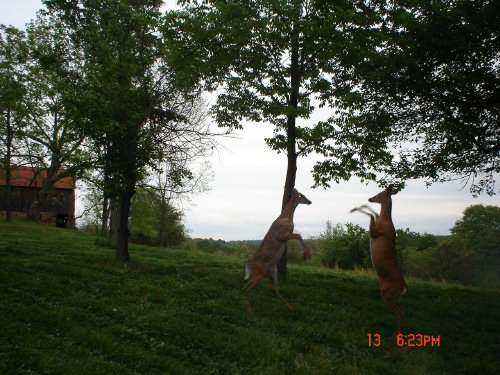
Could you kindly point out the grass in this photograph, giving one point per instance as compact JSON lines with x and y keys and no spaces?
{"x":68,"y":308}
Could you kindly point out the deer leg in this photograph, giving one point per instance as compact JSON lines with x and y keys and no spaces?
{"x":273,"y":278}
{"x":370,"y":210}
{"x":396,"y":310}
{"x":248,"y":290}
{"x":367,"y":210}
{"x":390,"y":297}
{"x":305,"y":248}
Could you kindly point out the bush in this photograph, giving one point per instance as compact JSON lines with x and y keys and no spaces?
{"x":449,"y":261}
{"x":154,"y":222}
{"x":418,"y":263}
{"x":244,"y":250}
{"x":344,"y":246}
{"x":188,"y":244}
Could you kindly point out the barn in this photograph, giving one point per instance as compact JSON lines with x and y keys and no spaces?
{"x":26,"y":182}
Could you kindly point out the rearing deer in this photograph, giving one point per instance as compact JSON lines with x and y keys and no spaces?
{"x":383,"y":252}
{"x":271,"y":249}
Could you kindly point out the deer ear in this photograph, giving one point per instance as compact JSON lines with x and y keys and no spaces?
{"x":392,"y":190}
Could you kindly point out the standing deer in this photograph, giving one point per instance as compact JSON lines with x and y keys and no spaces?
{"x":383,"y":252}
{"x":271,"y":249}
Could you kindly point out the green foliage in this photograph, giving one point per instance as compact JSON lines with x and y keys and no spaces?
{"x":453,"y":262}
{"x":479,"y":233}
{"x":246,"y":249}
{"x":120,"y":50}
{"x":480,"y":229}
{"x":470,"y":256}
{"x":213,"y":246}
{"x":406,"y":238}
{"x":131,"y":110}
{"x":344,"y":246}
{"x":275,"y":61}
{"x":241,"y":249}
{"x":435,"y":77}
{"x":53,"y":80}
{"x":143,"y":221}
{"x":448,"y":261}
{"x":419,"y":76}
{"x":13,"y":60}
{"x":154,"y":221}
{"x":13,"y":57}
{"x":67,"y":308}
{"x":418,"y":264}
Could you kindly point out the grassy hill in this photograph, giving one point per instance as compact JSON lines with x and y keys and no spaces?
{"x":68,"y":308}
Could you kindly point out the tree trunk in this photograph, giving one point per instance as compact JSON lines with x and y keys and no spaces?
{"x":291,"y":171}
{"x":113,"y":221}
{"x":105,"y":214}
{"x":8,"y":156}
{"x":162,"y":219}
{"x":8,"y":194}
{"x":123,"y":233}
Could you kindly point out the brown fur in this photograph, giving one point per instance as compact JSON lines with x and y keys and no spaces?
{"x":271,"y":249}
{"x":383,"y":252}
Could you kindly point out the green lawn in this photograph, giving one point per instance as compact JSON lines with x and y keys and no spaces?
{"x":68,"y":308}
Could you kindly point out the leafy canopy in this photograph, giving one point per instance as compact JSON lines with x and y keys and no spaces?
{"x":413,"y":86}
{"x":436,"y":78}
{"x":277,"y":61}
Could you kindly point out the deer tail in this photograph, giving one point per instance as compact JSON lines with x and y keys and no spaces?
{"x":248,"y":271}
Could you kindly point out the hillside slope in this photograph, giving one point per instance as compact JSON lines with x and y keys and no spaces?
{"x":68,"y":308}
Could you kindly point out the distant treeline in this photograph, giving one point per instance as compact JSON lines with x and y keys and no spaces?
{"x":470,"y":255}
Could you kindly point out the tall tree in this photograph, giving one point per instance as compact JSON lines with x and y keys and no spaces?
{"x":277,"y":60}
{"x":128,"y":99}
{"x":479,"y":227}
{"x":53,"y":137}
{"x":13,"y":56}
{"x":155,"y":221}
{"x":436,"y":78}
{"x":478,"y":233}
{"x":174,"y":181}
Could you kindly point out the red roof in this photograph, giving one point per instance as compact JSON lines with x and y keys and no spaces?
{"x":24,"y":177}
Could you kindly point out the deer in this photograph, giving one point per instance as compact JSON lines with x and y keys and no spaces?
{"x":265,"y":259}
{"x":383,"y":252}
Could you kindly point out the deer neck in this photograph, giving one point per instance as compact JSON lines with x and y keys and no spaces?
{"x":289,"y":209}
{"x":385,"y":210}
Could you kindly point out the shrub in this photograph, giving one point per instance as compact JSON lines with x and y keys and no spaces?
{"x":344,"y":246}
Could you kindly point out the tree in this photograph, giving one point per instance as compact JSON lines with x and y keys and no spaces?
{"x":479,"y":227}
{"x":92,"y":200}
{"x":176,"y":181}
{"x":154,"y":221}
{"x":13,"y":55}
{"x":173,"y":180}
{"x":478,"y":232}
{"x":128,"y":99}
{"x":52,"y":136}
{"x":345,"y":246}
{"x":436,"y":81}
{"x":451,"y":261}
{"x":277,"y":61}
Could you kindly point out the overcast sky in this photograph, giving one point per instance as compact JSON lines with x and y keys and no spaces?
{"x":246,"y":192}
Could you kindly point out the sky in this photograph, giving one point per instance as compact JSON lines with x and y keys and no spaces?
{"x":246,"y":191}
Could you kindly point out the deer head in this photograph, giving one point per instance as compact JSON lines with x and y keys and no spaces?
{"x":384,"y":196}
{"x":299,"y":198}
